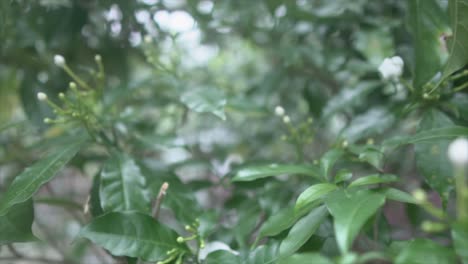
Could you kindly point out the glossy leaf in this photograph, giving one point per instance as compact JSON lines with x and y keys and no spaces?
{"x":343,"y":175}
{"x":222,"y":257}
{"x":123,"y":187}
{"x":312,"y":194}
{"x":374,"y":179}
{"x":425,"y":251}
{"x":427,"y":22}
{"x":206,"y":101}
{"x":302,"y":231}
{"x":460,"y":241}
{"x":350,"y":212}
{"x":278,"y":222}
{"x":328,"y":160}
{"x":32,"y":178}
{"x":265,"y":254}
{"x":257,"y":172}
{"x":306,"y":258}
{"x":15,"y":226}
{"x":428,"y":135}
{"x":431,"y":157}
{"x":131,"y":234}
{"x":458,"y":47}
{"x":94,"y":200}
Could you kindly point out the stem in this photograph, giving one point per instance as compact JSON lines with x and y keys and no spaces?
{"x":77,"y":79}
{"x":459,"y":88}
{"x":460,"y":186}
{"x":159,"y":199}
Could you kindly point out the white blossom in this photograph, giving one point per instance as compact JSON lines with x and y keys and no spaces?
{"x":391,"y":68}
{"x":279,"y":111}
{"x":59,"y":60}
{"x":458,"y":152}
{"x":41,"y":96}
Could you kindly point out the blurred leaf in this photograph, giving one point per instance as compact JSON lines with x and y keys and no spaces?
{"x":425,"y":251}
{"x":131,"y":234}
{"x":15,"y":226}
{"x":302,"y":231}
{"x":431,"y":157}
{"x":374,"y":179}
{"x":306,"y":258}
{"x":265,"y":254}
{"x":350,"y":212}
{"x":251,"y":173}
{"x":123,"y":187}
{"x":397,"y":195}
{"x":222,"y":257}
{"x":458,"y":47}
{"x":428,"y":135}
{"x":376,"y":45}
{"x":460,"y":241}
{"x":94,"y":200}
{"x":312,"y":194}
{"x":427,"y":22}
{"x":206,"y":101}
{"x":343,"y":175}
{"x":328,"y":160}
{"x":373,"y":122}
{"x":278,"y":222}
{"x":29,"y":181}
{"x":372,"y":156}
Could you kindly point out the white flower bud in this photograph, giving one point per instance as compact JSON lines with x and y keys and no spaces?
{"x":97,"y":58}
{"x":458,"y":152}
{"x":279,"y":111}
{"x":59,"y":60}
{"x":391,"y":68}
{"x":286,"y":119}
{"x":148,"y":39}
{"x":41,"y":96}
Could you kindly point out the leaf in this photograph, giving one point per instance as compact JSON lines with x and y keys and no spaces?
{"x":222,"y":257}
{"x":372,"y":156}
{"x":427,"y":22}
{"x":374,"y":121}
{"x":123,"y":187}
{"x":278,"y":222}
{"x":94,"y":200}
{"x":400,"y":196}
{"x":29,"y":181}
{"x":312,"y":194}
{"x":257,"y":172}
{"x":431,"y":157}
{"x":206,"y":101}
{"x":302,"y":231}
{"x":460,"y":241}
{"x":131,"y":234}
{"x":425,"y":251}
{"x":350,"y":211}
{"x":458,"y":47}
{"x":306,"y":258}
{"x":374,"y":179}
{"x":15,"y":226}
{"x":328,"y":160}
{"x":375,"y":45}
{"x":343,"y":175}
{"x":265,"y":254}
{"x":428,"y":135}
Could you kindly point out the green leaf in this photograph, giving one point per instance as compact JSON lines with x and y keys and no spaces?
{"x":131,"y":234}
{"x":257,"y":172}
{"x":376,"y":45}
{"x":222,"y":257}
{"x":15,"y":226}
{"x":397,"y":195}
{"x":431,"y":157}
{"x":265,"y":254}
{"x":374,"y":179}
{"x":425,"y":251}
{"x":428,"y":135}
{"x":328,"y":160}
{"x":350,"y":211}
{"x":306,"y":258}
{"x":123,"y":187}
{"x":278,"y":222}
{"x":458,"y":42}
{"x":312,"y":194}
{"x":94,"y":200}
{"x":29,"y":181}
{"x":460,"y":241}
{"x":427,"y":22}
{"x":373,"y":122}
{"x":206,"y":101}
{"x":373,"y":157}
{"x":343,"y":175}
{"x":302,"y":231}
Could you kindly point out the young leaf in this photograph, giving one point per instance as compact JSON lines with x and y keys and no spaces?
{"x":206,"y":101}
{"x":374,"y":179}
{"x":306,"y":258}
{"x":425,"y":251}
{"x":458,"y":42}
{"x":29,"y":181}
{"x":15,"y":226}
{"x":123,"y":187}
{"x":302,"y":231}
{"x":131,"y":234}
{"x":328,"y":160}
{"x":350,"y":212}
{"x":256,"y":172}
{"x":312,"y":194}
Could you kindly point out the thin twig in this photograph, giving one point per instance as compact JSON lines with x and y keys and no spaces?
{"x":159,"y":200}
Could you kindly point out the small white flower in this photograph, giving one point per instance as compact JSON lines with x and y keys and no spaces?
{"x":286,"y":119}
{"x":391,"y":68}
{"x":59,"y":60}
{"x":41,"y":96}
{"x":97,"y":58}
{"x":458,"y":152}
{"x":148,"y":39}
{"x":279,"y":111}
